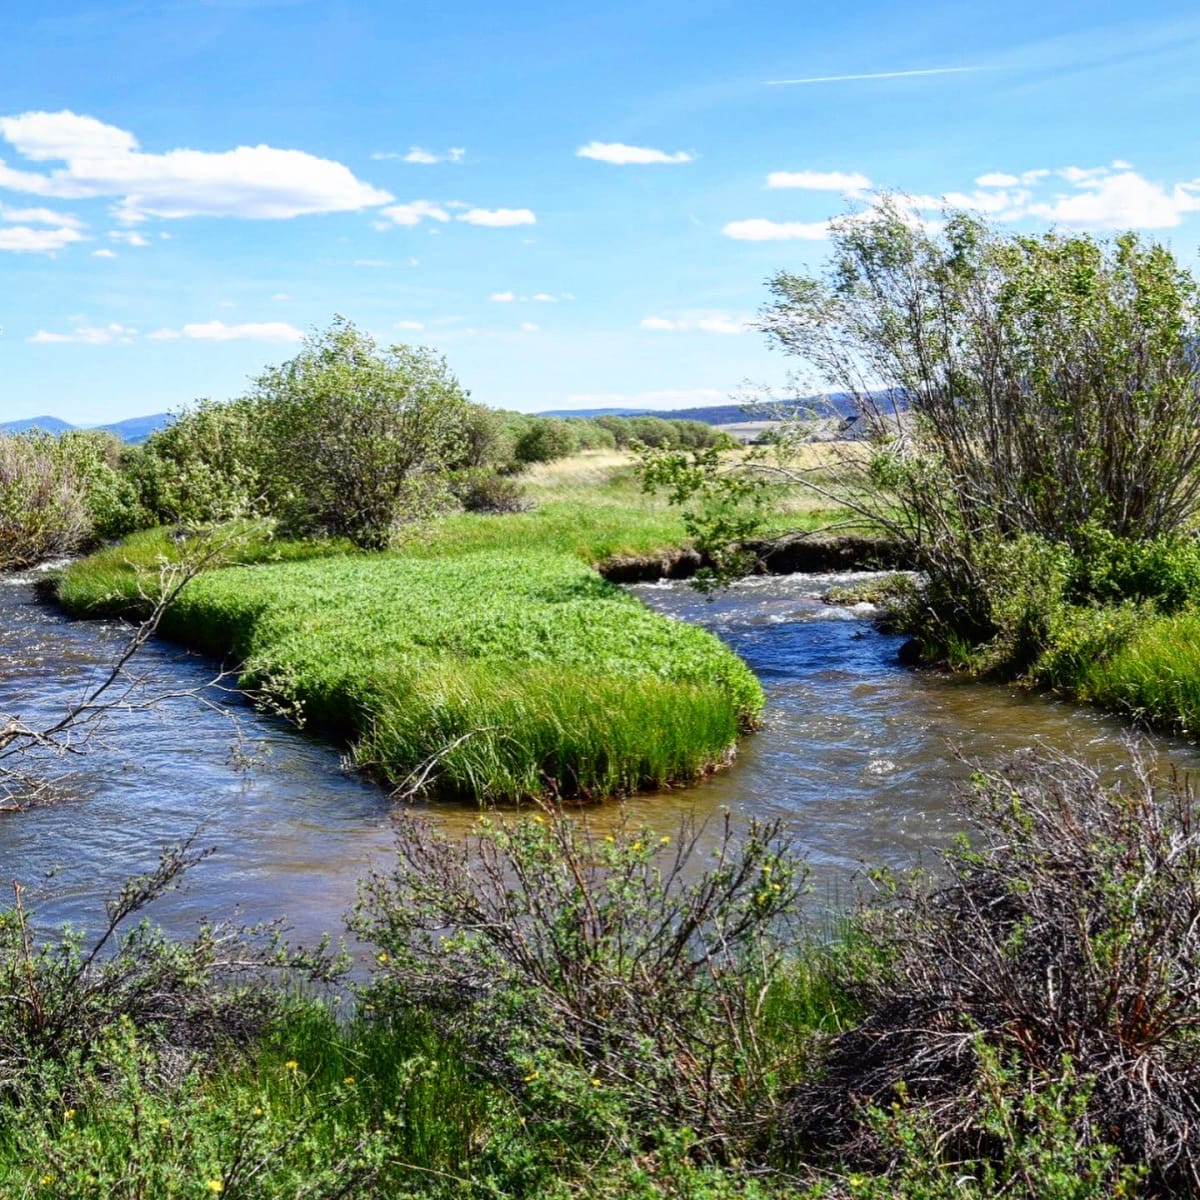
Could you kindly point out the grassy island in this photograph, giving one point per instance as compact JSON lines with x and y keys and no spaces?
{"x":484,"y":654}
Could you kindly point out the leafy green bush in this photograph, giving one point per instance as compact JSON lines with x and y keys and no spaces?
{"x":1109,"y":569}
{"x":208,"y":465}
{"x":546,"y":439}
{"x":484,"y":490}
{"x":359,"y":440}
{"x":43,"y":501}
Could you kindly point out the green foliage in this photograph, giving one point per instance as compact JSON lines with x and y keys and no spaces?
{"x":43,"y":501}
{"x":1108,"y":569}
{"x":611,"y":982}
{"x":1036,"y":1152}
{"x":546,"y":439}
{"x":485,"y":490}
{"x":208,"y":465}
{"x":1050,"y":382}
{"x":359,"y":439}
{"x":1055,"y":956}
{"x":487,"y":674}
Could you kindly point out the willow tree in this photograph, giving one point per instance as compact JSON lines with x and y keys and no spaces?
{"x":1052,"y":382}
{"x":359,"y":438}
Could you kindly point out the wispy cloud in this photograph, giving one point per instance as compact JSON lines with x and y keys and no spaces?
{"x":22,"y":239}
{"x":716,"y":323}
{"x":417,"y":211}
{"x":820,"y":181}
{"x":759,"y":229}
{"x":873,"y":75}
{"x":510,"y":297}
{"x":418,"y":154}
{"x":86,"y":335}
{"x":414,"y":213}
{"x":218,"y":331}
{"x":498,"y":217}
{"x":622,"y":155}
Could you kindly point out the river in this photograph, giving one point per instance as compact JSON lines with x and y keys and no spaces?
{"x":860,"y":756}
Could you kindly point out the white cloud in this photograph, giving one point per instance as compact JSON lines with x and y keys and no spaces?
{"x":129,"y":237}
{"x":414,"y":213}
{"x":821,"y":181}
{"x":87,"y":335}
{"x":530,"y":327}
{"x":41,"y":216}
{"x":416,"y":155}
{"x":410,"y":326}
{"x":104,"y":254}
{"x":1100,"y":198}
{"x":218,"y":331}
{"x":281,"y":296}
{"x":22,"y":239}
{"x":259,"y":182}
{"x":498,"y":217}
{"x":623,"y":155}
{"x":537,"y":298}
{"x":1118,"y":201}
{"x":711,"y":324}
{"x":758,"y":229}
{"x":873,"y":75}
{"x":720,"y":325}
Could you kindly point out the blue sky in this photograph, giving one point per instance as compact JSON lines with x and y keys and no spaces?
{"x":576,"y":203}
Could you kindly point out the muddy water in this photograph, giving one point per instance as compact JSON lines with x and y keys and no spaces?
{"x":858,"y":755}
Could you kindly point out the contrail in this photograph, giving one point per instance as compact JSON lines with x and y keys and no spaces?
{"x":876,"y":75}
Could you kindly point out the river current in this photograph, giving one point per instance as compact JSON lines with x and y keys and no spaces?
{"x":860,"y":756}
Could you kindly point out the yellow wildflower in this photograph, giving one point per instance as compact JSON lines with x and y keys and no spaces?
{"x":291,"y":1065}
{"x":215,"y":1186}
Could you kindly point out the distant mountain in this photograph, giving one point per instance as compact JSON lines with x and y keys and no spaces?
{"x":133,"y":430}
{"x":726,"y":414}
{"x":600,"y":412}
{"x":138,"y":429}
{"x":45,"y":424}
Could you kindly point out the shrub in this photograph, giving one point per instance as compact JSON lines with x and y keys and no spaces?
{"x":612,"y":982}
{"x":1050,"y":383}
{"x":207,"y":465}
{"x":43,"y":501}
{"x":359,"y":440}
{"x":1063,"y":946}
{"x":484,"y":490}
{"x":591,"y":436}
{"x":546,"y":439}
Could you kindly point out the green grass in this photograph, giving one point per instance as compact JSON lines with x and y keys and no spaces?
{"x":1153,"y":675}
{"x":484,"y":652}
{"x":503,"y":673}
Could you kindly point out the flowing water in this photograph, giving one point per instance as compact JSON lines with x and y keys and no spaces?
{"x":858,"y":755}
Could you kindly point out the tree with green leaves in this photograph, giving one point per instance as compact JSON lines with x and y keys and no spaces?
{"x":359,"y":439}
{"x":1019,"y":392}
